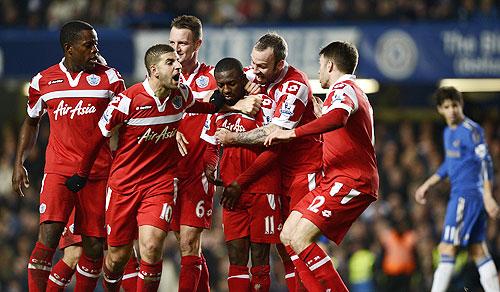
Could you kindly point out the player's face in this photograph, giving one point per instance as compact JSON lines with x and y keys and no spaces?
{"x":231,"y":84}
{"x":452,"y":112}
{"x":264,"y":66}
{"x":168,"y":70}
{"x":83,"y":51}
{"x":324,"y":79}
{"x":183,"y":42}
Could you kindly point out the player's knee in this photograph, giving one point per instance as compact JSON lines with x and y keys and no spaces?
{"x":478,"y":251}
{"x":298,"y":242}
{"x":116,"y":259}
{"x":50,"y":233}
{"x":151,"y":250}
{"x":285,"y":237}
{"x":447,"y":249}
{"x":190,"y":245}
{"x":93,"y":246}
{"x":72,"y":255}
{"x":260,"y":254}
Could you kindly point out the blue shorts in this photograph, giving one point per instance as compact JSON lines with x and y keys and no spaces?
{"x":465,"y":221}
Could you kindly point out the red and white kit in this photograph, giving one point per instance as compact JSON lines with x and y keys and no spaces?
{"x":300,"y":160}
{"x":195,"y":195}
{"x":257,"y":214}
{"x":74,"y":103}
{"x":350,"y":182}
{"x":143,"y":170}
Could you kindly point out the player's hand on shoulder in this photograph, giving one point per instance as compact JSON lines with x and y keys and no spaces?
{"x":231,"y":196}
{"x":252,"y":88}
{"x":20,"y":179}
{"x":491,"y":207}
{"x":420,"y":194}
{"x":181,"y":143}
{"x":75,"y":183}
{"x":249,"y":105}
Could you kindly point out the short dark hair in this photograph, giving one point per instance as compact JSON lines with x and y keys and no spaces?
{"x":274,"y":41}
{"x":448,"y":93}
{"x":190,"y":22}
{"x":70,"y":31}
{"x":228,"y":64}
{"x":154,"y":52}
{"x":343,"y":54}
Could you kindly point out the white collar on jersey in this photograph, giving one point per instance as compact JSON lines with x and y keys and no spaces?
{"x":191,"y":76}
{"x":343,"y":78}
{"x":280,"y":77}
{"x":72,"y":82}
{"x":149,"y":90}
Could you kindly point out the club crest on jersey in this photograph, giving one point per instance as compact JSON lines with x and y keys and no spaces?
{"x":93,"y":79}
{"x":177,"y":101}
{"x":202,"y":81}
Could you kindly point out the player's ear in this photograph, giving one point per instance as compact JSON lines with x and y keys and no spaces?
{"x":68,"y":48}
{"x":330,"y":66}
{"x":197,"y":44}
{"x":281,"y":64}
{"x":154,"y":71}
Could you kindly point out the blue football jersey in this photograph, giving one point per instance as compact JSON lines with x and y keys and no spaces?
{"x":467,"y":160}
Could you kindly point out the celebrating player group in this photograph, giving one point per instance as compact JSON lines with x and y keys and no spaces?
{"x":286,"y":172}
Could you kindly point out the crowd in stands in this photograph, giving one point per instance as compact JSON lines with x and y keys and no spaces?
{"x":392,"y":247}
{"x":158,"y":13}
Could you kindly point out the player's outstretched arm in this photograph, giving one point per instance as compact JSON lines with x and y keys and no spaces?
{"x":422,"y":190}
{"x":27,"y":138}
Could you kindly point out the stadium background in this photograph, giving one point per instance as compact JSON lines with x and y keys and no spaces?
{"x":407,"y":47}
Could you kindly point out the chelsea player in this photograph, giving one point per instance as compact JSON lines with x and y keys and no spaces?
{"x":469,"y":167}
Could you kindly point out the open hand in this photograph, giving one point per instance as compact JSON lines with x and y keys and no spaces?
{"x":231,"y":196}
{"x":20,"y":179}
{"x":279,"y":135}
{"x":181,"y":143}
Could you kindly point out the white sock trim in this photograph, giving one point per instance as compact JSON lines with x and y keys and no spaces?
{"x":320,"y":263}
{"x":39,"y":267}
{"x":86,"y":274}
{"x":57,"y":282}
{"x":131,"y":275}
{"x":239,"y":277}
{"x":291,"y":275}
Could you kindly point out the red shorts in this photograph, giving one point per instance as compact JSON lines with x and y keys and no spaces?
{"x":126,"y":212}
{"x":298,"y":186}
{"x":334,"y":214}
{"x":57,"y":203}
{"x":68,"y":237}
{"x":257,"y":216}
{"x":193,"y":205}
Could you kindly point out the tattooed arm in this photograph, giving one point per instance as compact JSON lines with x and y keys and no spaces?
{"x":253,"y":137}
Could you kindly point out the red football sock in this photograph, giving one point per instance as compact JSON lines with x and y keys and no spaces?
{"x":303,"y":276}
{"x":261,"y":281}
{"x":111,"y":280}
{"x":204,"y":283}
{"x":149,"y":276}
{"x":322,"y":267}
{"x":189,"y":275}
{"x":87,"y":273}
{"x":129,"y":279}
{"x":238,"y":278}
{"x":289,"y":275}
{"x":39,"y":266}
{"x":60,"y":277}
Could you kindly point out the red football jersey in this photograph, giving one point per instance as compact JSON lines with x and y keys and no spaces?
{"x":147,"y":150}
{"x":202,"y":84}
{"x":348,"y":152}
{"x":74,"y":102}
{"x":293,"y":96}
{"x":236,"y":159}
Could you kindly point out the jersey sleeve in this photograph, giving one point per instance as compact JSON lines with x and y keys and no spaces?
{"x":208,"y":131}
{"x":481,"y":153}
{"x":344,"y":98}
{"x":291,"y":104}
{"x":117,"y":85}
{"x":442,"y":171}
{"x":35,"y":106}
{"x":115,"y":114}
